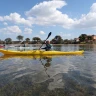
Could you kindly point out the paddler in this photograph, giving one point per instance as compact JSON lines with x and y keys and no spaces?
{"x":48,"y":46}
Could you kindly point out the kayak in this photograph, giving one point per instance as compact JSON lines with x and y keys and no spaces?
{"x":40,"y":52}
{"x":4,"y":57}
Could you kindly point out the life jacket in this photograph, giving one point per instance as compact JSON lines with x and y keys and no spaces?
{"x":48,"y":47}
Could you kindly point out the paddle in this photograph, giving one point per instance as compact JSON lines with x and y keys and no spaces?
{"x":46,"y":39}
{"x":45,"y":68}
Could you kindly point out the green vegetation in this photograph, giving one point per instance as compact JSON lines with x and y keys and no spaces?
{"x":57,"y":40}
{"x":27,"y":40}
{"x":36,"y":40}
{"x":19,"y":37}
{"x":8,"y":40}
{"x":82,"y":39}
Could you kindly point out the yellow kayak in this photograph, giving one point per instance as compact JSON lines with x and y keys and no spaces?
{"x":4,"y":57}
{"x":40,"y":52}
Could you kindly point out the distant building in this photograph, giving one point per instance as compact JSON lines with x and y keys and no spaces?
{"x":77,"y":39}
{"x":94,"y":37}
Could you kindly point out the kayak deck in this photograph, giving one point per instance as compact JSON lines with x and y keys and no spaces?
{"x":40,"y":52}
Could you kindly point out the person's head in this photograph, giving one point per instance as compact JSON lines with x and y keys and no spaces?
{"x":47,"y":42}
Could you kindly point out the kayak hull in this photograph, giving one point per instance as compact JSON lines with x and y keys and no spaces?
{"x":40,"y":52}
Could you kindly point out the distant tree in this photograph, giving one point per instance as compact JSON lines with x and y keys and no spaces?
{"x":8,"y":40}
{"x":19,"y":37}
{"x":57,"y":39}
{"x":89,"y":37}
{"x":0,"y":41}
{"x":53,"y":41}
{"x":27,"y":39}
{"x":66,"y":41}
{"x":83,"y":37}
{"x":36,"y":39}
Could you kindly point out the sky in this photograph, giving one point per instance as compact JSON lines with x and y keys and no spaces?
{"x":36,"y":18}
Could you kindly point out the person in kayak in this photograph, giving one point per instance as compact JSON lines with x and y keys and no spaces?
{"x":48,"y":46}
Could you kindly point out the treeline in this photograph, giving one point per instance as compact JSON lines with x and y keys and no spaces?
{"x":83,"y":38}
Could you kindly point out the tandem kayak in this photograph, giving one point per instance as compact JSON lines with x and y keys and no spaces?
{"x":40,"y":52}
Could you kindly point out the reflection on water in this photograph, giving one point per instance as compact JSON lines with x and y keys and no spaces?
{"x":50,"y":75}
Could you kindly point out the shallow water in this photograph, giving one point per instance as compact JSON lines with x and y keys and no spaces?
{"x":50,"y":76}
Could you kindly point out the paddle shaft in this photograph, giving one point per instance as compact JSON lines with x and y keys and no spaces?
{"x":46,"y":39}
{"x":41,"y":45}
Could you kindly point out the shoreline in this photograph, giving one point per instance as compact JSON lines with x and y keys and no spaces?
{"x":52,"y":44}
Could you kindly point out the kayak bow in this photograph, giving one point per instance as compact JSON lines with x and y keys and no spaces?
{"x":40,"y":52}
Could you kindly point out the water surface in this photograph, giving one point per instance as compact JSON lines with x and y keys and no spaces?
{"x":50,"y":76}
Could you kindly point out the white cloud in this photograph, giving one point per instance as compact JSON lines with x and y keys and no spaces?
{"x":16,"y":18}
{"x":1,"y":18}
{"x":42,"y":32}
{"x":93,"y":8}
{"x":5,"y":23}
{"x":11,"y":29}
{"x":66,"y":35}
{"x":28,"y":31}
{"x":46,"y":8}
{"x":87,"y":20}
{"x":47,"y":13}
{"x":57,"y":0}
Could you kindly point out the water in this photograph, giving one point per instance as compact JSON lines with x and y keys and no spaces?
{"x":50,"y":76}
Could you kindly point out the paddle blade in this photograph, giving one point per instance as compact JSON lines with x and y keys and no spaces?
{"x":49,"y":35}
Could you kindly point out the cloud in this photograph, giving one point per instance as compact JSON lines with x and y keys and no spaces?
{"x":1,"y":18}
{"x":87,"y":20}
{"x":65,"y":34}
{"x":42,"y":32}
{"x":5,"y":23}
{"x":93,"y":8}
{"x":28,"y":31}
{"x":11,"y":29}
{"x":47,"y":13}
{"x":56,"y":0}
{"x":16,"y":18}
{"x":46,"y":8}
